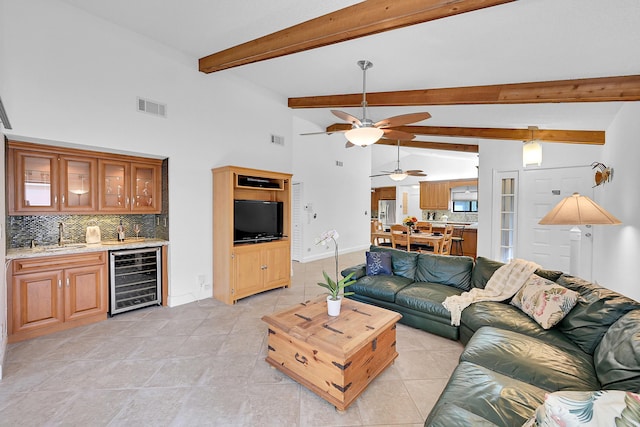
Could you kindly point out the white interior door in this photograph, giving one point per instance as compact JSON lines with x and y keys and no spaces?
{"x":549,"y":245}
{"x":296,"y":221}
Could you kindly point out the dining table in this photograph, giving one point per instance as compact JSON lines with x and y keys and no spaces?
{"x":416,"y":237}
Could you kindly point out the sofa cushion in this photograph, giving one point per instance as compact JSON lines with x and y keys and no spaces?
{"x":485,"y":268}
{"x":544,"y":301}
{"x":380,"y":287}
{"x":404,"y":263}
{"x":378,"y":263}
{"x":497,"y":398}
{"x":445,"y":270}
{"x":596,"y":310}
{"x":531,"y":360}
{"x":617,"y":357}
{"x":449,"y":414}
{"x":588,"y":409}
{"x":358,"y":271}
{"x":505,"y":316}
{"x":427,"y":298}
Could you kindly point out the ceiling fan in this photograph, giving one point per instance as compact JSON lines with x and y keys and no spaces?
{"x":398,"y":174}
{"x":364,"y":131}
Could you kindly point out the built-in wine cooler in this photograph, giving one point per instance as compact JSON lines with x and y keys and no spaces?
{"x":135,"y":278}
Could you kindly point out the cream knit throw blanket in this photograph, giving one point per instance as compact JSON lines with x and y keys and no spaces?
{"x":505,"y":282}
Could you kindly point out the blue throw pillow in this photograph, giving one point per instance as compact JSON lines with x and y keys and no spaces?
{"x":379,"y":263}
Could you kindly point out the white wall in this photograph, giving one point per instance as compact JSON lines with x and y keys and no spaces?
{"x":619,"y":247}
{"x":70,"y":77}
{"x":340,"y":195}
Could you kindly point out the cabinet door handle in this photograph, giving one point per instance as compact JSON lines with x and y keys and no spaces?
{"x":59,"y":283}
{"x":127,"y":202}
{"x":55,"y":199}
{"x":62,"y":199}
{"x":67,"y":282}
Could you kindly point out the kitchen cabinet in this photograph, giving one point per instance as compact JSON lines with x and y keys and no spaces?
{"x":257,"y":268}
{"x":434,"y":195}
{"x":386,"y":193}
{"x":49,"y":182}
{"x":244,"y":269}
{"x":129,"y":187}
{"x":43,"y":179}
{"x":53,"y":293}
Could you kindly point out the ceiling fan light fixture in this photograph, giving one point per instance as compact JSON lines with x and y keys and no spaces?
{"x":398,"y":176}
{"x":364,"y":136}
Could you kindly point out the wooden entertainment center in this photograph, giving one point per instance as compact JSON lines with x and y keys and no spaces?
{"x":244,"y":269}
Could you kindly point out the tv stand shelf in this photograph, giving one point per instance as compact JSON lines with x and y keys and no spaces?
{"x":241,"y":269}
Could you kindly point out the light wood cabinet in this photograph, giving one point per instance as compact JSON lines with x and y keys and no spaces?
{"x":44,"y":179}
{"x":434,"y":195}
{"x":244,"y":269}
{"x":50,"y":182}
{"x":52,"y":293}
{"x":127,"y":187}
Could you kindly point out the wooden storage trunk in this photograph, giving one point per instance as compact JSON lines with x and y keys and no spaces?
{"x":335,"y":357}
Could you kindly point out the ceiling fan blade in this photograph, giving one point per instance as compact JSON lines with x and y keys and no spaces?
{"x":403,"y":119}
{"x":380,"y":174}
{"x":415,"y":173}
{"x":346,"y":117}
{"x":397,"y":134}
{"x":320,"y":133}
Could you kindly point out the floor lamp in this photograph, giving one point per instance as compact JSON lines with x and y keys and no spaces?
{"x":577,"y":210}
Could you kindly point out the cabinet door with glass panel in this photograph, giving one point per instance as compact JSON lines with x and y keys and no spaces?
{"x":78,"y":184}
{"x":127,"y":187}
{"x":48,"y":182}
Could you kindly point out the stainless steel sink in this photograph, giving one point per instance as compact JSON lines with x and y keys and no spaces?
{"x":63,"y":248}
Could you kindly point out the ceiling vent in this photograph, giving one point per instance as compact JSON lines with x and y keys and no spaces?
{"x":3,"y":116}
{"x":151,"y":107}
{"x":277,"y":139}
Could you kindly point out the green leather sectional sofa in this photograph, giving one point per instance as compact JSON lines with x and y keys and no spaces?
{"x":509,"y":362}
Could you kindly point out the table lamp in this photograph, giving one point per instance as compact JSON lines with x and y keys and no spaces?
{"x":577,"y":210}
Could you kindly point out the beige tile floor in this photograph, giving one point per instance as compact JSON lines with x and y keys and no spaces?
{"x":202,"y":364}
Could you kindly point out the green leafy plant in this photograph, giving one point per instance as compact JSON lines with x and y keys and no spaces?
{"x":335,"y":287}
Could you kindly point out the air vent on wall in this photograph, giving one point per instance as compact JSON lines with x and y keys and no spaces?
{"x":152,"y":107}
{"x":277,"y":139}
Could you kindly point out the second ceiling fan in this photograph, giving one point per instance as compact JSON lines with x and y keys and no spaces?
{"x":398,"y":174}
{"x":364,"y":131}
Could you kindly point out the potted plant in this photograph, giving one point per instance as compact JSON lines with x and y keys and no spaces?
{"x":336,"y":287}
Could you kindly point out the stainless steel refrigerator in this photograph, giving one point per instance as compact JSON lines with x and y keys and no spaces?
{"x":387,"y":212}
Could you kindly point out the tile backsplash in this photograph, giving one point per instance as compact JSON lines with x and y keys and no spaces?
{"x":452,"y":216}
{"x":21,"y":230}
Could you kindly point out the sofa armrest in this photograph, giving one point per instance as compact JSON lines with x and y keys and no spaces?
{"x":359,"y":271}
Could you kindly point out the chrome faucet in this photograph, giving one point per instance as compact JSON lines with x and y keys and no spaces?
{"x":60,"y":234}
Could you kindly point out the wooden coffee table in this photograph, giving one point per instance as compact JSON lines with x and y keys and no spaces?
{"x":335,"y":357}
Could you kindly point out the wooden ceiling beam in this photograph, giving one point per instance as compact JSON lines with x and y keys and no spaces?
{"x":466,"y":148}
{"x":593,"y":137}
{"x":599,"y":89}
{"x":362,"y":19}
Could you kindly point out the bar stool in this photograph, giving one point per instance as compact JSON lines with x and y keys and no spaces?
{"x":456,"y":240}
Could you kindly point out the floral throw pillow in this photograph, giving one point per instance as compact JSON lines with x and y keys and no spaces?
{"x":378,"y":263}
{"x":588,"y":409}
{"x":545,"y":301}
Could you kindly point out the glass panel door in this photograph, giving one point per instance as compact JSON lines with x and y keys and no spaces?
{"x":145,"y":188}
{"x":79,"y":184}
{"x":114,"y":182}
{"x":38,"y":188}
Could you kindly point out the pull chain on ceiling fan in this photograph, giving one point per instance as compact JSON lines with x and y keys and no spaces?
{"x":398,"y":174}
{"x":364,"y":131}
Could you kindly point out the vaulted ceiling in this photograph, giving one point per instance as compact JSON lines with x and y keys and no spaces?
{"x":475,"y":65}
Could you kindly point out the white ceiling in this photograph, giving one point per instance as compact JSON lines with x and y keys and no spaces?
{"x":527,"y":40}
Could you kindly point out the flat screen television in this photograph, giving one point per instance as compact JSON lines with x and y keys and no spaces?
{"x":256,"y":220}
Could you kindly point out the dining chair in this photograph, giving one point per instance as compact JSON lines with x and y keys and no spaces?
{"x":457,"y":239}
{"x":445,"y":246}
{"x":424,"y":226}
{"x":400,"y":237}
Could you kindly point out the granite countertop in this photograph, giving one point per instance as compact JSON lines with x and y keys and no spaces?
{"x":471,"y":225}
{"x":77,"y":248}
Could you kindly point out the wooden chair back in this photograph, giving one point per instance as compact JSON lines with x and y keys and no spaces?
{"x":424,"y":226}
{"x":445,"y":246}
{"x":400,"y":237}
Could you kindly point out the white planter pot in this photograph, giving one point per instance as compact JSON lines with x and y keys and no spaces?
{"x":333,"y":306}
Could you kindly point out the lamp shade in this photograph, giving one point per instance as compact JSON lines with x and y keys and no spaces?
{"x":398,"y":176}
{"x":578,"y":210}
{"x":364,"y":135}
{"x":531,"y":153}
